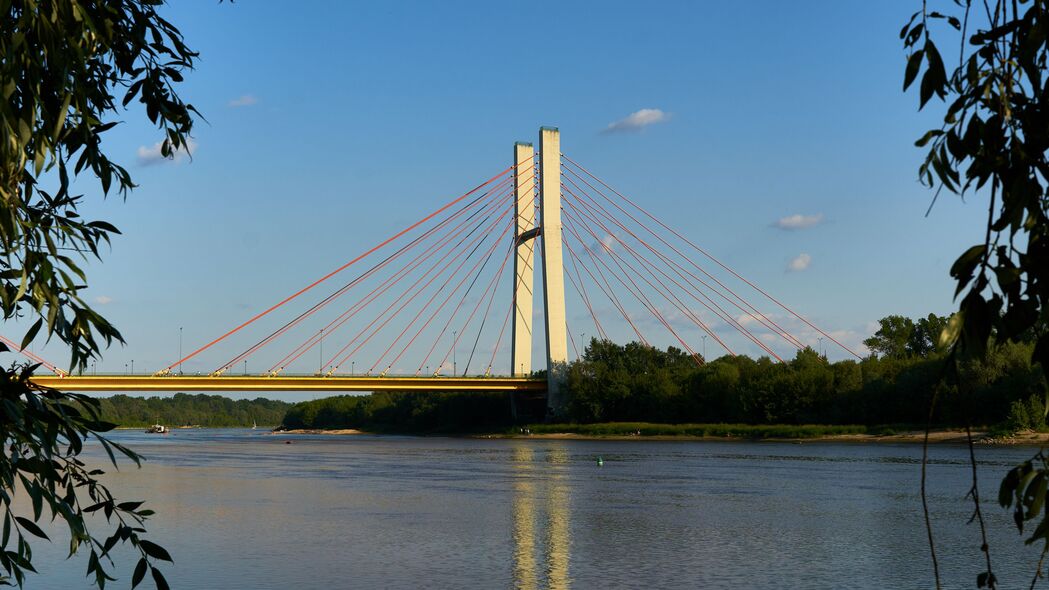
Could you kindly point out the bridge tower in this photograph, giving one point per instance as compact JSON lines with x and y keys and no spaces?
{"x":548,"y":229}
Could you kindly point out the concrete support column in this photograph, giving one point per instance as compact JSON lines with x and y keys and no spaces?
{"x":524,"y":262}
{"x":553,"y":267}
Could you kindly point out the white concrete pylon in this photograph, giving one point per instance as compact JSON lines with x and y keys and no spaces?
{"x":524,"y":262}
{"x":553,"y":266}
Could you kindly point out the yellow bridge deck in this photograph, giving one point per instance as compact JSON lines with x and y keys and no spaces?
{"x":289,"y":383}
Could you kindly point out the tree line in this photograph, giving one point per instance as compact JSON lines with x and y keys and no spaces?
{"x":896,"y":384}
{"x":184,"y":409}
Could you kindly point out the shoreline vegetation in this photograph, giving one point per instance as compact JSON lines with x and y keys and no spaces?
{"x":639,"y":390}
{"x":192,"y":410}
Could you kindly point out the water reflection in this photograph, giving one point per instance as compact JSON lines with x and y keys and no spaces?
{"x":541,"y":483}
{"x":525,"y":567}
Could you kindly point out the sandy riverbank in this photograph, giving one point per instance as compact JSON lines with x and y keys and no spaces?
{"x":319,"y":431}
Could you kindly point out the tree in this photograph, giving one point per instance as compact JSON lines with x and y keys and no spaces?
{"x":994,"y":142}
{"x":925,"y":339}
{"x":892,"y":337}
{"x":67,"y":69}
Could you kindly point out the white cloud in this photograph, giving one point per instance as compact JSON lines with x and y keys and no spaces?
{"x":147,"y":156}
{"x":798,"y":221}
{"x":103,"y":300}
{"x":244,"y":101}
{"x":638,"y":120}
{"x":799,"y":263}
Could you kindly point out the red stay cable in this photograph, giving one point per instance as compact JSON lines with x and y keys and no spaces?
{"x":487,"y":254}
{"x":499,"y":340}
{"x":609,"y":292}
{"x":672,"y":298}
{"x":343,"y":290}
{"x":332,"y":361}
{"x":753,"y":311}
{"x":29,"y":355}
{"x":354,"y":351}
{"x":377,"y":293}
{"x":338,"y":270}
{"x":585,"y":298}
{"x":716,"y":309}
{"x":636,"y":291}
{"x":708,"y":255}
{"x":388,"y":283}
{"x":457,"y":307}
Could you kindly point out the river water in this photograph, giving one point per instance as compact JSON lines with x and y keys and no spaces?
{"x":244,"y":509}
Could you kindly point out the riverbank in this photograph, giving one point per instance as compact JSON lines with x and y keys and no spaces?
{"x":724,"y":432}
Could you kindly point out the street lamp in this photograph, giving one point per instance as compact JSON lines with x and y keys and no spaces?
{"x":704,"y":347}
{"x":455,"y":338}
{"x":132,"y":366}
{"x":582,"y":340}
{"x":245,"y":367}
{"x":180,"y":350}
{"x":352,"y":363}
{"x":320,"y":356}
{"x":125,"y":368}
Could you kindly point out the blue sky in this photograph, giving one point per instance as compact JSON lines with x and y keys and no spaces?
{"x":332,"y":125}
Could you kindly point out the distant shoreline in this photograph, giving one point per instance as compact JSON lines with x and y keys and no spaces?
{"x":939,"y":436}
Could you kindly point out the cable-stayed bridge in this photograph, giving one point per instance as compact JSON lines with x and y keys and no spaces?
{"x":464,"y":279}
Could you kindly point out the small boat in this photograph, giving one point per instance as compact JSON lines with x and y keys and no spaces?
{"x":157,"y":429}
{"x":254,"y":426}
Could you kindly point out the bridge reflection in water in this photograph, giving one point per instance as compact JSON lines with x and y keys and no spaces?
{"x":541,"y":501}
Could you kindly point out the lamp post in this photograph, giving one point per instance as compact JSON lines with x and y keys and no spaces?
{"x":704,"y":348}
{"x":582,"y":340}
{"x":180,"y":350}
{"x":132,"y":366}
{"x":320,"y":356}
{"x":455,"y":338}
{"x":245,"y":367}
{"x":352,"y":363}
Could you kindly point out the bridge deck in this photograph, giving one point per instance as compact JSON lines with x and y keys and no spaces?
{"x":289,"y":383}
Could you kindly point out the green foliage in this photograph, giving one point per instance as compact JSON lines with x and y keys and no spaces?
{"x":414,"y":412}
{"x":42,"y":432}
{"x":994,"y":139}
{"x":1024,"y":490}
{"x":66,"y":70}
{"x":630,"y":383}
{"x":636,"y":383}
{"x":183,"y":409}
{"x":901,"y":337}
{"x":892,"y":337}
{"x":1027,"y":414}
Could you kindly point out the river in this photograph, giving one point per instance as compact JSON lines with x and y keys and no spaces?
{"x":244,"y":509}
